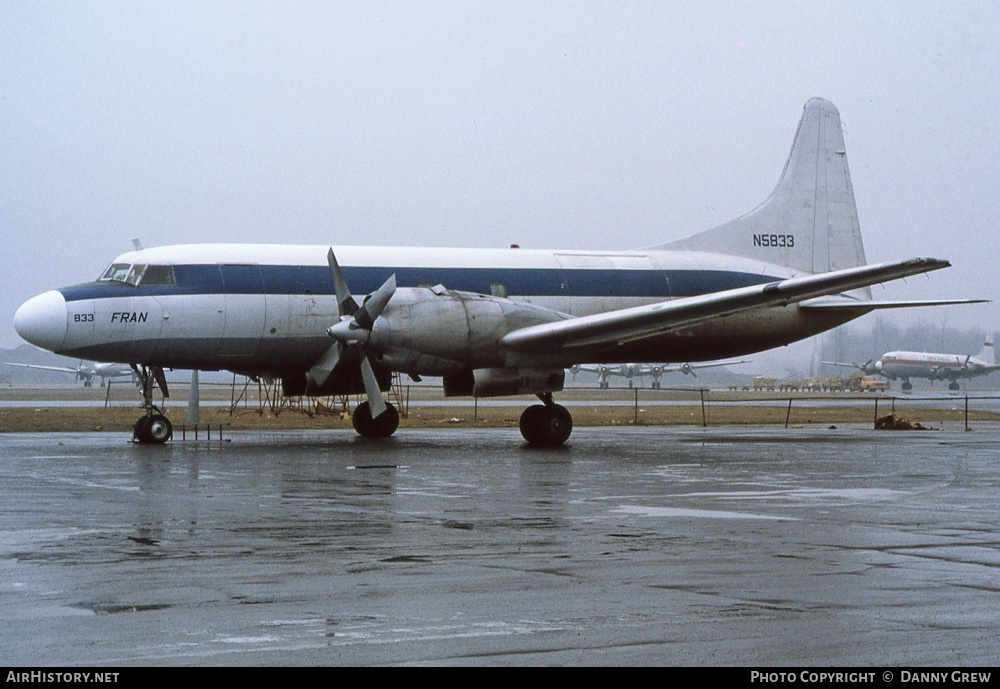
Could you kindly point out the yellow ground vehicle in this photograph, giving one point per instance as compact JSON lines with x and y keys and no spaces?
{"x":873,"y":384}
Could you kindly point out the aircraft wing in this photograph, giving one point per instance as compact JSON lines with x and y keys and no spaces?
{"x":45,"y":368}
{"x":625,"y":325}
{"x":845,"y":364}
{"x":689,"y":367}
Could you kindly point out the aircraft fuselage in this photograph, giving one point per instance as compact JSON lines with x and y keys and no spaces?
{"x":933,"y":366}
{"x":265,"y":308}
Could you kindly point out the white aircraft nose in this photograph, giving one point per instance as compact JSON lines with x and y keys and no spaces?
{"x":878,"y":365}
{"x":42,"y":320}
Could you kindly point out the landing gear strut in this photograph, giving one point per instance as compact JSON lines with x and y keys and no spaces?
{"x":153,"y":428}
{"x":546,"y":424}
{"x":380,"y":427}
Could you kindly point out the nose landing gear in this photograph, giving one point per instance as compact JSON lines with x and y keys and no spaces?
{"x":153,"y":428}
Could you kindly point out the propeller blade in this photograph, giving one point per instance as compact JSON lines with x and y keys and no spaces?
{"x":322,"y":369}
{"x":345,"y":302}
{"x":376,"y":403}
{"x":370,"y":310}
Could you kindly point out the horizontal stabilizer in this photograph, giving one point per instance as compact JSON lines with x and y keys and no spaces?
{"x":848,"y":304}
{"x":626,"y":325}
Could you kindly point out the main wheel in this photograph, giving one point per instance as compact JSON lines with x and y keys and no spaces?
{"x":530,"y":423}
{"x":546,"y":425}
{"x":382,"y":427}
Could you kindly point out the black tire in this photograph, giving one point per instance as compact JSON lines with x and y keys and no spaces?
{"x":139,"y":431}
{"x":382,"y":427}
{"x":546,"y":425}
{"x":530,"y":423}
{"x":158,"y":429}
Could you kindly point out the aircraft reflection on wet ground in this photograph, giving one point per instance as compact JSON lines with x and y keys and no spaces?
{"x":716,"y":546}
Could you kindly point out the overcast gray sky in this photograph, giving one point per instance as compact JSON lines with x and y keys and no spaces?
{"x":573,"y":125}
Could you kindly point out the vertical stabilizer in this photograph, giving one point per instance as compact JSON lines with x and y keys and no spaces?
{"x":987,"y":354}
{"x":810,"y":221}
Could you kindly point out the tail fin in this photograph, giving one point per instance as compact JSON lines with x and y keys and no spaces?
{"x":810,"y":221}
{"x":987,"y":354}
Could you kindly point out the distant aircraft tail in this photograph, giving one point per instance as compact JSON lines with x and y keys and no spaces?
{"x":810,"y":221}
{"x":987,"y":354}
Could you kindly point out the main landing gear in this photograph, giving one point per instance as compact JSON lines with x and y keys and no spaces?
{"x":546,"y":424}
{"x":384,"y":425}
{"x":153,"y":428}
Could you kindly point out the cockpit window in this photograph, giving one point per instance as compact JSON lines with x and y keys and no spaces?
{"x":139,"y":274}
{"x":116,"y":272}
{"x":135,"y":274}
{"x":158,"y":275}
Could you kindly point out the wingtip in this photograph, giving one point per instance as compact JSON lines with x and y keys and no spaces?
{"x":930,"y":263}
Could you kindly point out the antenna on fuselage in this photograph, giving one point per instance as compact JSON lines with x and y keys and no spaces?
{"x":137,"y":243}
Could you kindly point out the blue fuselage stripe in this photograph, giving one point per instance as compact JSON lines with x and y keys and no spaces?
{"x":540,"y":282}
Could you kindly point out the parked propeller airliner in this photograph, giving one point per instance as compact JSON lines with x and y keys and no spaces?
{"x":490,"y":322}
{"x":86,"y":371}
{"x":901,"y":365}
{"x":629,"y":371}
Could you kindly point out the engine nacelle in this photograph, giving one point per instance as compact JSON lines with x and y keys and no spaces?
{"x":436,"y":331}
{"x":498,"y":382}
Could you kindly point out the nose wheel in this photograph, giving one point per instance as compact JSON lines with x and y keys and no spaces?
{"x":548,"y":424}
{"x":153,"y":428}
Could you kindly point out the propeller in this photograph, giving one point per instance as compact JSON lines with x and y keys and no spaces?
{"x":353,"y":329}
{"x":687,"y":369}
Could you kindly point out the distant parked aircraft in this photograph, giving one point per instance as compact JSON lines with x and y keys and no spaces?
{"x":904,"y":365}
{"x":87,"y":371}
{"x":655,"y":371}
